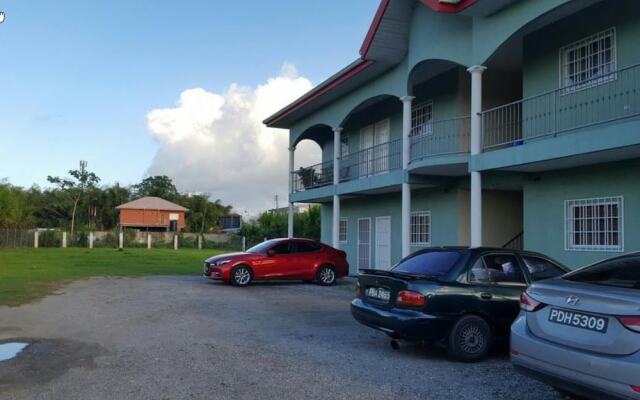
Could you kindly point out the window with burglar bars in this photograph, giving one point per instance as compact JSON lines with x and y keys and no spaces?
{"x":420,"y":228}
{"x":594,"y":224}
{"x":421,"y":117}
{"x":342,"y":235}
{"x":582,"y":62}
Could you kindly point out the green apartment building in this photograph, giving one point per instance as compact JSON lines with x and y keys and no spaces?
{"x":507,"y":123}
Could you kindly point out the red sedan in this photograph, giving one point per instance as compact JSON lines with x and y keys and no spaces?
{"x":276,"y":259}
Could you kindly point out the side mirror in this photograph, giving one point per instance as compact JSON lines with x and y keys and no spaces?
{"x":271,"y":253}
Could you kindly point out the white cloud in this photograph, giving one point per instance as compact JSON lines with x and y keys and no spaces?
{"x":216,"y":143}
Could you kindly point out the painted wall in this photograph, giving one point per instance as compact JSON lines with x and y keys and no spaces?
{"x":544,"y":207}
{"x":150,"y":218}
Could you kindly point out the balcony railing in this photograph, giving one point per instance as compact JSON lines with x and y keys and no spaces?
{"x":603,"y":99}
{"x":312,"y":177}
{"x":449,"y":136}
{"x":371,"y":161}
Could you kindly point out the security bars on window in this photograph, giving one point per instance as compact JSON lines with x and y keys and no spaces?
{"x":342,"y":237}
{"x":421,"y":117}
{"x":587,"y":59}
{"x":594,"y":224}
{"x":420,"y":228}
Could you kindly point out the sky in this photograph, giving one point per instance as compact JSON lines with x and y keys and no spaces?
{"x":150,"y":87}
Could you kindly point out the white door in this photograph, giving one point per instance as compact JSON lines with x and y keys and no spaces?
{"x":366,"y":155}
{"x":383,"y":242}
{"x":364,"y":243}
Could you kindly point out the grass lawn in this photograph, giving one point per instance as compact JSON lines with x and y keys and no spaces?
{"x":29,"y":274}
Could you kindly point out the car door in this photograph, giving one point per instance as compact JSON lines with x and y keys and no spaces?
{"x":279,"y":260}
{"x":498,"y":281}
{"x":305,"y":258}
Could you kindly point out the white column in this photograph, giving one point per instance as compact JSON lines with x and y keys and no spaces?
{"x":120,"y":240}
{"x":199,"y":242}
{"x":148,"y":240}
{"x":292,"y":151}
{"x":175,"y":242}
{"x":64,"y":240}
{"x":476,"y":147}
{"x":91,"y":240}
{"x":337,"y":143}
{"x":406,"y":188}
{"x":36,"y":236}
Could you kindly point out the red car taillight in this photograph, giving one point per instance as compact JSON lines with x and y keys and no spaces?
{"x":407,"y":298}
{"x":527,"y":303}
{"x":632,"y":323}
{"x":635,"y":388}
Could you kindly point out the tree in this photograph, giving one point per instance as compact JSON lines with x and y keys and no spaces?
{"x":75,"y":188}
{"x":157,"y":186}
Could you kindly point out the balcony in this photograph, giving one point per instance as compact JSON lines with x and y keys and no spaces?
{"x":312,"y":177}
{"x":607,"y":98}
{"x":438,"y":138}
{"x":372,"y":161}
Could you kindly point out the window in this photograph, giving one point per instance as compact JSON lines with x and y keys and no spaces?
{"x":588,"y":62}
{"x":282,"y":248}
{"x":594,"y":224}
{"x":540,"y":268}
{"x":497,"y":268}
{"x":618,"y":272}
{"x":421,"y":117}
{"x":431,"y":263}
{"x":342,"y":236}
{"x":304,"y":247}
{"x":420,"y":228}
{"x":344,"y":146}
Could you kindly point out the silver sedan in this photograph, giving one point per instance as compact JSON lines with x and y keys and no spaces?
{"x":581,"y":333}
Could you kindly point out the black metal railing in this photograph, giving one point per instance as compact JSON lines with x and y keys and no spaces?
{"x":443,"y":137}
{"x":605,"y":98}
{"x":371,"y":161}
{"x":516,"y":243}
{"x":312,"y":177}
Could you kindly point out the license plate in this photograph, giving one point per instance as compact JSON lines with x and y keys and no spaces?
{"x":579,"y":320}
{"x":378,"y":294}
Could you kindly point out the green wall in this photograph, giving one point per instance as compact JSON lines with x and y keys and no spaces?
{"x":544,"y":207}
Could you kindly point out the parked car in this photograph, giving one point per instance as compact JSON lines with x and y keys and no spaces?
{"x":275,"y":259}
{"x":581,"y":332}
{"x":461,"y":298}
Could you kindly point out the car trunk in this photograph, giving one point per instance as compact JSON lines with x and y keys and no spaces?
{"x":595,"y":303}
{"x":391,"y":282}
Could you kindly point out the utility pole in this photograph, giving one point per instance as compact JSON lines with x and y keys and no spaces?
{"x":276,"y":197}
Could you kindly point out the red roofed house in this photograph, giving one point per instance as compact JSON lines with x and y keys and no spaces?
{"x":152,"y":213}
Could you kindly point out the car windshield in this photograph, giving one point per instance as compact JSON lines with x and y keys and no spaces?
{"x":431,"y":263}
{"x":262,"y":247}
{"x":619,"y":272}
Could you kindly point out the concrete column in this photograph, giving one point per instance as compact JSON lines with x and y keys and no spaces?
{"x":407,"y":102}
{"x":292,"y":151}
{"x":244,"y":243}
{"x":64,"y":240}
{"x":199,"y":242}
{"x":476,"y":147}
{"x":337,"y":152}
{"x":36,"y":236}
{"x":91,"y":240}
{"x":175,"y":242}
{"x":148,"y":240}
{"x":121,"y":240}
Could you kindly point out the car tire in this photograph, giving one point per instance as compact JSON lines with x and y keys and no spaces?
{"x":470,"y":339}
{"x":326,"y":275}
{"x":241,"y":276}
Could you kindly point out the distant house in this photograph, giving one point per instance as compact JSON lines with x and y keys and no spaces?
{"x":152,"y":213}
{"x":230,"y":223}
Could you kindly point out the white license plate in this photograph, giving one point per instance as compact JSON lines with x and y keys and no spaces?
{"x":579,"y":320}
{"x":378,"y":293}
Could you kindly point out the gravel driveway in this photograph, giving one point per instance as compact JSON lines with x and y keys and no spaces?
{"x":188,"y":338}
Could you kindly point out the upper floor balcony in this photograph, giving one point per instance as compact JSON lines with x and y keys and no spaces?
{"x":440,"y":138}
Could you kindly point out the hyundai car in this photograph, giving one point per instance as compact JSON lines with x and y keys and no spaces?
{"x":581,"y":332}
{"x":460,"y":298}
{"x":280,"y":259}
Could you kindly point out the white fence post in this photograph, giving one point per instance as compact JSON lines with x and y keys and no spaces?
{"x":91,"y":240}
{"x":148,"y":240}
{"x":244,"y":243}
{"x":199,"y":242}
{"x":121,"y":240}
{"x":175,"y":242}
{"x":36,"y":234}
{"x":64,"y":240}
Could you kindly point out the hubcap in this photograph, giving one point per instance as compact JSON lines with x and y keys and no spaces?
{"x":242,"y":276}
{"x":471,"y":339}
{"x":327,"y":275}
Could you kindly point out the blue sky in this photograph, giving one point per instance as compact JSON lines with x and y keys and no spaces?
{"x":78,"y":77}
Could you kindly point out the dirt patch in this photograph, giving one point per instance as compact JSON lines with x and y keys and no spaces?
{"x":44,"y":360}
